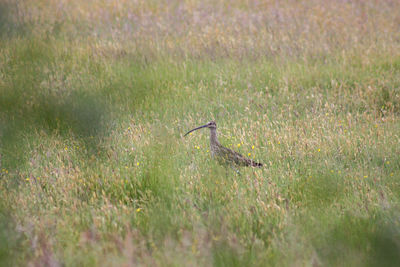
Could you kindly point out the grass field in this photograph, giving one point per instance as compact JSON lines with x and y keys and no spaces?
{"x":95,"y":97}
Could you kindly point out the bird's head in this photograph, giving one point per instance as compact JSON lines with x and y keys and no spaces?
{"x":210,"y":125}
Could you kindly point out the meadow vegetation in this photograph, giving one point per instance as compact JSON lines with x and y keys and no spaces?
{"x":95,"y":97}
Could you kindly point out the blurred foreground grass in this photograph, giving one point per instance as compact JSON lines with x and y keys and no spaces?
{"x":95,"y":97}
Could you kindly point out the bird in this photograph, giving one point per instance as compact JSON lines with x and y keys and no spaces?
{"x":223,"y":154}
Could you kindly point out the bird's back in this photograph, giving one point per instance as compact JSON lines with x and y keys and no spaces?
{"x":228,"y":156}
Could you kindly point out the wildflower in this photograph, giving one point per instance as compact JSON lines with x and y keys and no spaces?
{"x":65,"y":148}
{"x":207,"y":150}
{"x":137,"y":163}
{"x":387,"y":162}
{"x":319,"y":150}
{"x":129,"y":128}
{"x":365,"y":176}
{"x":238,"y":145}
{"x":138,"y":209}
{"x":279,"y":142}
{"x":252,"y":147}
{"x":27,"y":179}
{"x":126,"y":167}
{"x":190,"y":133}
{"x":249,"y":154}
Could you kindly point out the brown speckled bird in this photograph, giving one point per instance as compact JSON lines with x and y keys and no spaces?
{"x":224,"y":154}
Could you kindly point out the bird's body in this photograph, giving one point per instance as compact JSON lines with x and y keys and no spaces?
{"x":223,"y":154}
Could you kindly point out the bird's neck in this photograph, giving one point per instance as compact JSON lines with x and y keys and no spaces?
{"x":213,"y":137}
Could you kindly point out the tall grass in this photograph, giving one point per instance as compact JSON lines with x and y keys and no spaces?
{"x":95,"y":97}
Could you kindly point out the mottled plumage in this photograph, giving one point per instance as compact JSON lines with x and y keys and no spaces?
{"x":223,"y":154}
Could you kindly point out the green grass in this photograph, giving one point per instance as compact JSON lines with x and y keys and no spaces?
{"x":95,"y":98}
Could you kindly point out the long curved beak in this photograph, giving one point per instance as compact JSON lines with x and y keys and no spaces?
{"x":203,"y":126}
